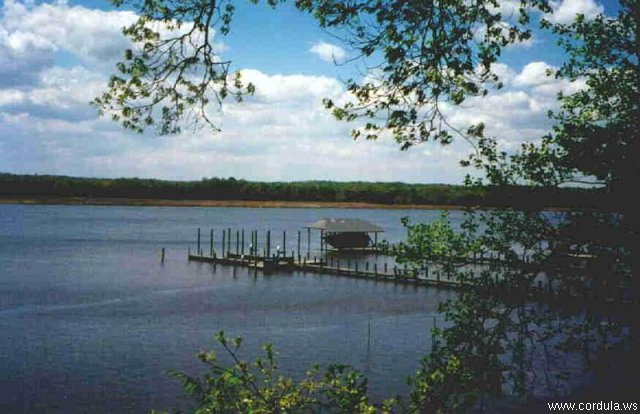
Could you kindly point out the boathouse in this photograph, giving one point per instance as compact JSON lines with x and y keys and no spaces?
{"x":347,"y":233}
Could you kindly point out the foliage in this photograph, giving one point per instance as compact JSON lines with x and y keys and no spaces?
{"x":586,"y":257}
{"x":426,"y":54}
{"x":258,"y":387}
{"x":423,"y":49}
{"x":172,"y":72}
{"x":598,"y":126}
{"x":512,"y":328}
{"x":530,"y":299}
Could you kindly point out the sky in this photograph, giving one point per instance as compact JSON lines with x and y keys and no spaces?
{"x":55,"y":57}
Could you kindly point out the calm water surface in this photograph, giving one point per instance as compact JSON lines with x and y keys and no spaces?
{"x":90,"y":320}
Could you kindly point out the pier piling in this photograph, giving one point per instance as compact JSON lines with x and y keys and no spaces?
{"x":268,"y":251}
{"x":224,"y":235}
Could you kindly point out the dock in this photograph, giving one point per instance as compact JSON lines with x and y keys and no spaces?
{"x":256,"y":255}
{"x":355,"y":270}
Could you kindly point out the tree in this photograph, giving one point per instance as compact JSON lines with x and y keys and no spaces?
{"x":172,"y":73}
{"x":429,"y":54}
{"x":595,"y":141}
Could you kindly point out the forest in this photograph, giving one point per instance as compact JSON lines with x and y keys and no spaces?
{"x":388,"y":193}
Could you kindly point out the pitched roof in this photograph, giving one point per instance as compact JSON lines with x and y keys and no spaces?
{"x":345,"y":225}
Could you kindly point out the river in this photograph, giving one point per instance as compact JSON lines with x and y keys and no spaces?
{"x":91,"y":320}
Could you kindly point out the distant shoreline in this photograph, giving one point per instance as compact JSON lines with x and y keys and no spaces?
{"x":146,"y":202}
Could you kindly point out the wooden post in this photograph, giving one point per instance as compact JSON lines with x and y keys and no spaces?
{"x":298,"y":245}
{"x":308,"y":243}
{"x":211,"y":243}
{"x":375,"y":269}
{"x":375,"y":239}
{"x":284,"y":243}
{"x":224,"y":236}
{"x":321,"y":239}
{"x":254,"y":234}
{"x":242,"y":243}
{"x":385,"y":267}
{"x":237,"y":241}
{"x":366,"y":266}
{"x":162,"y":257}
{"x":268,"y":251}
{"x":228,"y":241}
{"x":356,"y":268}
{"x":198,"y":251}
{"x":255,"y":254}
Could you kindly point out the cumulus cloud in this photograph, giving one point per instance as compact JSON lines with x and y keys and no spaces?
{"x":35,"y":33}
{"x":31,"y":35}
{"x":284,"y":118}
{"x":280,"y":133}
{"x":62,"y":93}
{"x":534,"y":73}
{"x":518,"y":113}
{"x":565,"y":11}
{"x":328,"y":52}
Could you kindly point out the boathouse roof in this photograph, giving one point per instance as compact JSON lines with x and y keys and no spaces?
{"x":345,"y":225}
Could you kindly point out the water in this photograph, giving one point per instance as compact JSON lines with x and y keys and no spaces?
{"x":90,"y":320}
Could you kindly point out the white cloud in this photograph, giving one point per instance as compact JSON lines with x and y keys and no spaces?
{"x":329,"y":52}
{"x":274,"y":88}
{"x":565,"y":11}
{"x":11,"y":97}
{"x":281,"y":133}
{"x":534,"y":73}
{"x":91,"y":35}
{"x":35,"y":33}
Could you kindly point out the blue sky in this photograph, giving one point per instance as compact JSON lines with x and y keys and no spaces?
{"x":56,"y":56}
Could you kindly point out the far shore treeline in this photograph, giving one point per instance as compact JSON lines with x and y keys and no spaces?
{"x":43,"y":186}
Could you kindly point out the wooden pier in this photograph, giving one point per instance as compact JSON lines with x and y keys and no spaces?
{"x":256,"y":256}
{"x":237,"y":250}
{"x":355,"y":270}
